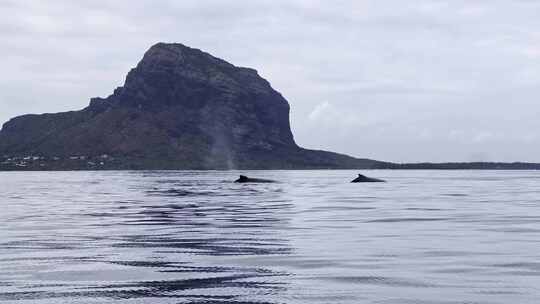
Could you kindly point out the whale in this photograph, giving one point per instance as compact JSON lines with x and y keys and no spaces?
{"x":245,"y":179}
{"x":364,"y":179}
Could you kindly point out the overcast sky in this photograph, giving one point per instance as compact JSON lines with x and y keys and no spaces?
{"x":391,"y":80}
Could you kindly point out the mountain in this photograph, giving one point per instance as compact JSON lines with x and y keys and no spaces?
{"x":180,"y":108}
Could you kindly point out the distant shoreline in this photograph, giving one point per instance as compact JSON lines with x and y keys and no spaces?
{"x":107,"y":162}
{"x":475,"y":166}
{"x":462,"y":166}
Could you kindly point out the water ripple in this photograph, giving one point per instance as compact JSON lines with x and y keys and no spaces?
{"x":438,"y":237}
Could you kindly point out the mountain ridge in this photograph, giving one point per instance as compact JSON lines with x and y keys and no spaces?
{"x":179,"y":108}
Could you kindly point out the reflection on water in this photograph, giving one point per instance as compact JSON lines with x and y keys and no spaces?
{"x":196,"y":237}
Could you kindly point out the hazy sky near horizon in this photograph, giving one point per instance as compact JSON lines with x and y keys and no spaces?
{"x":395,"y":80}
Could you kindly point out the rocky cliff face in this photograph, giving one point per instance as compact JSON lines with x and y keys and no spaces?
{"x":180,"y":108}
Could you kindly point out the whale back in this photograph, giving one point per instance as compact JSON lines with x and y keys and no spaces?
{"x":364,"y":179}
{"x":242,"y":179}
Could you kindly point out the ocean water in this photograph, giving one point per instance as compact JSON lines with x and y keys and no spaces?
{"x":437,"y":237}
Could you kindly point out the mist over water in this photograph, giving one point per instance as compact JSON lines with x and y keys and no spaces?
{"x":437,"y":237}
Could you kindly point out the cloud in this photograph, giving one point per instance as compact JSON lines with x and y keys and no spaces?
{"x":322,"y":111}
{"x":384,"y":79}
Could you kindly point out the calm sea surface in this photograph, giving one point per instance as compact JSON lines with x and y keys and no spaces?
{"x":196,"y":237}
